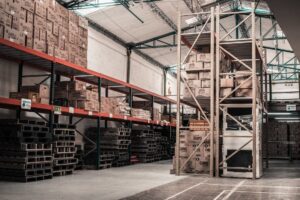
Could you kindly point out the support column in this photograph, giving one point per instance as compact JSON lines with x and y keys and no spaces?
{"x":51,"y":99}
{"x":177,"y":154}
{"x":98,"y":126}
{"x":128,"y":53}
{"x":20,"y":83}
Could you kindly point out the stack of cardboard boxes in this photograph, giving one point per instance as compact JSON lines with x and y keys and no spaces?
{"x":146,"y":105}
{"x":189,"y":140}
{"x":140,"y":113}
{"x":198,"y":69}
{"x":78,"y":94}
{"x":115,"y":105}
{"x":36,"y":93}
{"x":46,"y":26}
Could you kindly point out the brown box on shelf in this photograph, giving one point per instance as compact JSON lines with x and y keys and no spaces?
{"x":51,"y":15}
{"x":205,"y":83}
{"x":11,"y":35}
{"x":194,"y":83}
{"x":40,"y":22}
{"x":205,"y":92}
{"x":13,"y":7}
{"x":28,"y":5}
{"x":81,"y":95}
{"x":226,"y":82}
{"x":2,"y":4}
{"x":203,"y":57}
{"x":1,"y":31}
{"x":51,"y":39}
{"x":73,"y":17}
{"x":40,"y":8}
{"x":243,"y":92}
{"x":192,"y":76}
{"x":39,"y":45}
{"x":225,"y":91}
{"x":247,"y":84}
{"x":50,"y":49}
{"x":206,"y":65}
{"x":86,"y":105}
{"x":194,"y":65}
{"x":192,"y":58}
{"x":61,"y":54}
{"x":203,"y":75}
{"x":83,"y":23}
{"x":42,"y":90}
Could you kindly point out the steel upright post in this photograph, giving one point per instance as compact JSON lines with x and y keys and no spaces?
{"x":254,"y":86}
{"x":217,"y":125}
{"x":212,"y":87}
{"x":178,"y":93}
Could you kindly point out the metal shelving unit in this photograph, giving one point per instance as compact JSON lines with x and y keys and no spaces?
{"x":247,"y":55}
{"x":54,"y":68}
{"x":205,"y":106}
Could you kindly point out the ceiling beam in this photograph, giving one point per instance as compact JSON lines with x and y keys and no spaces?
{"x":162,"y":15}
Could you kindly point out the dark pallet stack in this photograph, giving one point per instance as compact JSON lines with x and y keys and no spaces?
{"x":113,"y":142}
{"x":144,"y":145}
{"x":80,"y":156}
{"x":25,"y":150}
{"x":295,"y":139}
{"x":105,"y":160}
{"x":64,"y":161}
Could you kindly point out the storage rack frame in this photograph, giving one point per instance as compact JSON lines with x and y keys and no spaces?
{"x":54,"y":68}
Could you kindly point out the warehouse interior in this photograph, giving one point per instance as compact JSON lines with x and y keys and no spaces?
{"x":149,"y":99}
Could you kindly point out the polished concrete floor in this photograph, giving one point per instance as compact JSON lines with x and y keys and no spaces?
{"x":153,"y":182}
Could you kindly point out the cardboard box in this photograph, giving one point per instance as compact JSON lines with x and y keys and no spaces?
{"x":1,"y":31}
{"x":73,"y":17}
{"x":11,"y":35}
{"x":51,"y":15}
{"x":192,"y":76}
{"x":206,"y":65}
{"x":13,"y":7}
{"x":50,"y":49}
{"x":61,"y":54}
{"x":40,"y":8}
{"x":203,"y":57}
{"x":39,"y":45}
{"x":40,"y":22}
{"x":205,"y":83}
{"x":2,"y":5}
{"x":204,"y":75}
{"x":29,"y":17}
{"x":192,"y":58}
{"x":194,"y":83}
{"x":247,"y":84}
{"x":225,"y":91}
{"x":243,"y":93}
{"x":226,"y":83}
{"x":205,"y":92}
{"x":3,"y":17}
{"x":51,"y":39}
{"x":28,"y":5}
{"x":194,"y":65}
{"x":83,"y":23}
{"x":42,"y":90}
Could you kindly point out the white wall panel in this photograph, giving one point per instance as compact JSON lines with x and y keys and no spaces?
{"x":106,"y":56}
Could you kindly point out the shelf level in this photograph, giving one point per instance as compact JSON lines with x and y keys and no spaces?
{"x":44,"y":108}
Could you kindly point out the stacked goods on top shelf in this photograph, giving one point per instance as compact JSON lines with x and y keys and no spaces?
{"x":115,"y":105}
{"x":77,"y":94}
{"x":114,"y":147}
{"x":25,"y":150}
{"x":64,"y":161}
{"x":46,"y":26}
{"x":146,"y":105}
{"x":36,"y":93}
{"x":189,"y":140}
{"x":140,"y":113}
{"x":198,"y":71}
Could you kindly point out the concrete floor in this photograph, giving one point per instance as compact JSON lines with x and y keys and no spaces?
{"x":153,"y":182}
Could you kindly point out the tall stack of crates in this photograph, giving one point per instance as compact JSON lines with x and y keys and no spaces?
{"x":198,"y":71}
{"x":64,"y":161}
{"x":114,"y":146}
{"x":46,"y":26}
{"x":25,"y":150}
{"x":144,"y":145}
{"x":189,"y":140}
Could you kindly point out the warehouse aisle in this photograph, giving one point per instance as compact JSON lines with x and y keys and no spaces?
{"x":109,"y":184}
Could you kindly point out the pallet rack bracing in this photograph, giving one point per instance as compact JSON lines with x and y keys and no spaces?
{"x":196,"y":41}
{"x":245,"y":56}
